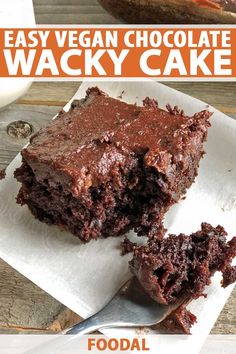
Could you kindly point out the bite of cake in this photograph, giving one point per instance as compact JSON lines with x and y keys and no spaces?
{"x":182,"y":265}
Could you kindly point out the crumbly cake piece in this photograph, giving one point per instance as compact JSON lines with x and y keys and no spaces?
{"x":184,"y":264}
{"x":179,"y":321}
{"x":2,"y":174}
{"x":107,"y":166}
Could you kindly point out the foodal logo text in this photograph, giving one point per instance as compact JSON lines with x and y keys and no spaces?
{"x":118,"y":52}
{"x":114,"y":344}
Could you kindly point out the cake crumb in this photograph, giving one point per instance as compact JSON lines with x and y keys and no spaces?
{"x":127,"y":246}
{"x":179,"y":321}
{"x":175,"y":110}
{"x":142,"y":331}
{"x":150,"y":103}
{"x":2,"y":174}
{"x":229,"y":276}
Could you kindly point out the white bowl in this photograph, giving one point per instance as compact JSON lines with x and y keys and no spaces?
{"x":15,"y":14}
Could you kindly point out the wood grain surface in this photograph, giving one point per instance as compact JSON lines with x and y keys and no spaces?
{"x":23,"y":306}
{"x":71,"y":12}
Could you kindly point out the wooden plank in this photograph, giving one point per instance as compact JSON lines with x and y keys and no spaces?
{"x":36,"y":116}
{"x":54,"y":3}
{"x":226,"y":323}
{"x":48,"y":19}
{"x":50,"y":93}
{"x":219,"y":95}
{"x":25,"y":307}
{"x":71,"y":12}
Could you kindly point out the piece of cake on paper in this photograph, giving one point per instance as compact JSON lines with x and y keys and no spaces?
{"x":107,"y":166}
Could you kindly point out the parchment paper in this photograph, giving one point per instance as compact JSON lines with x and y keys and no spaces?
{"x":85,"y":276}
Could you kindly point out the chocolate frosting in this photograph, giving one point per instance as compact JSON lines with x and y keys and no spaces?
{"x":99,"y":135}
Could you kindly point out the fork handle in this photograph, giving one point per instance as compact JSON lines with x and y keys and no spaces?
{"x":85,"y":327}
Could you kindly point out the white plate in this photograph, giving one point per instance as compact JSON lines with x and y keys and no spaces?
{"x":84,"y":277}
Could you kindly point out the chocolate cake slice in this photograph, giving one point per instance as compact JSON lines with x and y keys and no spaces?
{"x":184,"y":264}
{"x":106,"y":166}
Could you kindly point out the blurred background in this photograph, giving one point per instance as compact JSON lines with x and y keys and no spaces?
{"x":135,"y":11}
{"x":71,"y":12}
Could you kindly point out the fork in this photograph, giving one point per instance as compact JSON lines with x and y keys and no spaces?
{"x":130,"y":307}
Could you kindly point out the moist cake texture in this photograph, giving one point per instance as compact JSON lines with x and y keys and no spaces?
{"x":184,"y":264}
{"x":107,"y":166}
{"x":179,"y":321}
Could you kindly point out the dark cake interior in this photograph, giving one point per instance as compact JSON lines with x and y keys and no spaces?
{"x":178,"y":322}
{"x":106,"y":166}
{"x":183,"y":265}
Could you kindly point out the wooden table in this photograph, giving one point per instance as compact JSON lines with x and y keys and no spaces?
{"x":71,"y":12}
{"x":23,"y":306}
